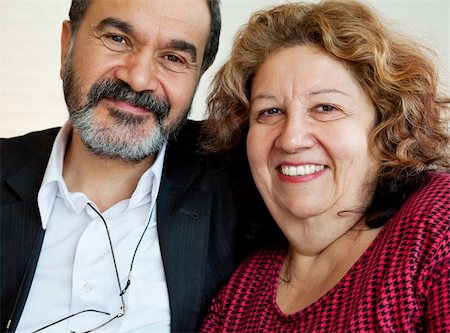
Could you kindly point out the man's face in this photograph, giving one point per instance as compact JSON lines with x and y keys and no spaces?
{"x":130,"y":72}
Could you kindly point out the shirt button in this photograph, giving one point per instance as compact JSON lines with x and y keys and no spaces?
{"x":88,"y":287}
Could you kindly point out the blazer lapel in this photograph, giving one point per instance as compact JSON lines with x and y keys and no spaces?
{"x":183,"y":231}
{"x":18,"y":270}
{"x":21,"y":234}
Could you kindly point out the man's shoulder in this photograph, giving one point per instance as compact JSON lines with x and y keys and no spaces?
{"x":19,"y":150}
{"x":184,"y":147}
{"x":186,"y":163}
{"x":30,"y":139}
{"x":187,"y":136}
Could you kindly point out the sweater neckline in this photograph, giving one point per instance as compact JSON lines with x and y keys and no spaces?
{"x":279,"y":256}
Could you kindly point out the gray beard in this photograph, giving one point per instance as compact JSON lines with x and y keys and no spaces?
{"x":119,"y":141}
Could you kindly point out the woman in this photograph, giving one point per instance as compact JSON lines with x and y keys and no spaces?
{"x":348,"y":146}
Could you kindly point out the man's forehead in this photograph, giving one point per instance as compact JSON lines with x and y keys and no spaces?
{"x":189,"y":18}
{"x":180,"y":9}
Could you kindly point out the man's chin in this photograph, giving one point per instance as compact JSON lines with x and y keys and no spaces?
{"x":130,"y":146}
{"x":128,"y":156}
{"x":124,"y":159}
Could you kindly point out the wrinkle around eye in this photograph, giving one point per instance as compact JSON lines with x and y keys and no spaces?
{"x":174,"y":58}
{"x":110,"y":41}
{"x":334,"y":112}
{"x":174,"y":63}
{"x":270,"y":112}
{"x":117,"y":39}
{"x":330,"y":108}
{"x":268,"y":115}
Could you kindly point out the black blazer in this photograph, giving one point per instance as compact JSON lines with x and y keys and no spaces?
{"x":204,"y":208}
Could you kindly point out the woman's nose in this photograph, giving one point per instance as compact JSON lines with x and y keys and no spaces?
{"x":296,"y":133}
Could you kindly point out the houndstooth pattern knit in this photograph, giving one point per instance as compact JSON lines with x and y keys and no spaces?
{"x":400,"y":284}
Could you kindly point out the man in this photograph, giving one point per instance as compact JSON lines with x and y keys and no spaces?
{"x":113,"y":223}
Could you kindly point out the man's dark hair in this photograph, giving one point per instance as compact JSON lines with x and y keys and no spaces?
{"x":79,"y":7}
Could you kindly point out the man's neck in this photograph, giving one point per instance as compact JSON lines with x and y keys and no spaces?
{"x":104,"y":181}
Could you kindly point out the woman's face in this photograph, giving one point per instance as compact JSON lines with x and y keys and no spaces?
{"x":308,"y":137}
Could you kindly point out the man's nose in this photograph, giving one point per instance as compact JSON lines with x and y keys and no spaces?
{"x":140,"y":71}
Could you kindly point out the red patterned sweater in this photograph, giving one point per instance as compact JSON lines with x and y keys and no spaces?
{"x":400,"y":284}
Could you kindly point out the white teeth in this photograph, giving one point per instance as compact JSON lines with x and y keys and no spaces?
{"x":301,"y":170}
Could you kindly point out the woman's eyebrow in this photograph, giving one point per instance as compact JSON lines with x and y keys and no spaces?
{"x":328,"y":91}
{"x":262,"y":96}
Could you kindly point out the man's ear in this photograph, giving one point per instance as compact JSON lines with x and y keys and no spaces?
{"x":66,"y":40}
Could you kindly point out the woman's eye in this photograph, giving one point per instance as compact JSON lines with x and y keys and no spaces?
{"x":270,"y":112}
{"x":327,"y":112}
{"x":326,"y":108}
{"x":269,"y":116}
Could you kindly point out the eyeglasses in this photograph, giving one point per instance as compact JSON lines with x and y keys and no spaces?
{"x":81,"y":312}
{"x":122,"y":291}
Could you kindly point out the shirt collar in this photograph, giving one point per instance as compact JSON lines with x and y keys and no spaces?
{"x":53,"y":183}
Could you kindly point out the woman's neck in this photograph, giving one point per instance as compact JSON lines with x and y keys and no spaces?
{"x":306,"y":276}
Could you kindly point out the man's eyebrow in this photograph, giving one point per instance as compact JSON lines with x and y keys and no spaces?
{"x":177,"y":44}
{"x":115,"y":23}
{"x":182,"y":45}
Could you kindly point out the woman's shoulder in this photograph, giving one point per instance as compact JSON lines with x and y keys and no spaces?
{"x":433,"y":196}
{"x":436,"y":181}
{"x":434,"y":192}
{"x":264,"y":261}
{"x":258,"y":272}
{"x":424,"y":218}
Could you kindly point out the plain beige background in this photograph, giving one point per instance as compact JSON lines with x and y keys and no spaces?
{"x":31,"y":91}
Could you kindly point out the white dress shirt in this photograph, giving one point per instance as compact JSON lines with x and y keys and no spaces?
{"x":75,"y":270}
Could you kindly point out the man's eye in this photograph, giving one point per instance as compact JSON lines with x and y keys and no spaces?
{"x":116,"y":43}
{"x":173,"y":58}
{"x":117,"y":39}
{"x":174,"y":63}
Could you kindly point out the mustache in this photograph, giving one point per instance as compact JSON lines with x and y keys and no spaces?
{"x":123,"y":92}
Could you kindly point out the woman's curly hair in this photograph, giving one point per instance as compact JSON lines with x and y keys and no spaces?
{"x":411,"y":132}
